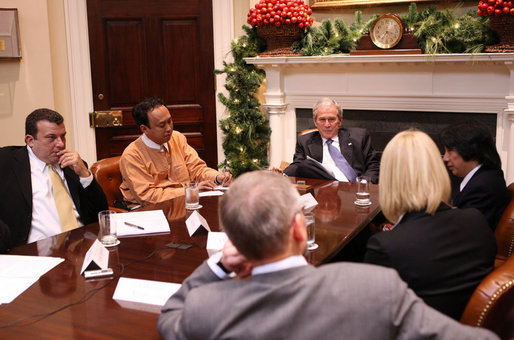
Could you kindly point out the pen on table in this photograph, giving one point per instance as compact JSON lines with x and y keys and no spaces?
{"x":134,"y":225}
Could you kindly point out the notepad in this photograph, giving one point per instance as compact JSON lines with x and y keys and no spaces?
{"x":151,"y":222}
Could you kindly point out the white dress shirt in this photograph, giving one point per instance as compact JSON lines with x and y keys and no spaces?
{"x":468,"y":177}
{"x":288,"y":262}
{"x":329,"y":163}
{"x":153,"y":145}
{"x":45,"y":219}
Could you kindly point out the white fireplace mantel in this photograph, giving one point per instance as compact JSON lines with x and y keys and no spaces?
{"x":459,"y":83}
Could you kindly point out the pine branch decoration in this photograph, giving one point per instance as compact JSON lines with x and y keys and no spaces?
{"x":437,"y":32}
{"x":246,"y":129}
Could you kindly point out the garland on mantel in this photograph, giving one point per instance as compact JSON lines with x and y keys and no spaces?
{"x":437,"y":32}
{"x":246,"y":129}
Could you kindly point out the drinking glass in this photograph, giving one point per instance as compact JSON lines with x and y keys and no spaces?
{"x":192,"y":196}
{"x":362,"y":196}
{"x":108,"y":232}
{"x":310,"y":223}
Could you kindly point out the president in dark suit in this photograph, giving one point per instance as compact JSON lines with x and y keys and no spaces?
{"x":471,"y":156}
{"x":286,"y":298}
{"x":344,"y":153}
{"x":45,"y":188}
{"x":441,"y":252}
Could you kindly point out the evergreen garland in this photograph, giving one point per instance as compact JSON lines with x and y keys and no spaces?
{"x":246,"y":129}
{"x":437,"y":32}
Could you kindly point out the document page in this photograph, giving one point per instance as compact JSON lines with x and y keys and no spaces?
{"x":142,"y":222}
{"x":144,"y":295}
{"x":18,"y":273}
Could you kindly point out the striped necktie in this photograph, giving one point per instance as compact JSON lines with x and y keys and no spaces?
{"x":62,"y":201}
{"x":341,"y":162}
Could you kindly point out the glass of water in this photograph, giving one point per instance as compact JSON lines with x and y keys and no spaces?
{"x":192,"y":196}
{"x":310,"y":223}
{"x":362,"y":196}
{"x":107,"y":232}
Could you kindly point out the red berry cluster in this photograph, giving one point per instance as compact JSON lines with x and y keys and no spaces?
{"x":280,"y":12}
{"x":495,"y":7}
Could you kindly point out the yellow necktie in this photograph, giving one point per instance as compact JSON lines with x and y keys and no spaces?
{"x":62,"y":201}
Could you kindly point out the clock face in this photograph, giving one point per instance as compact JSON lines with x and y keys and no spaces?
{"x":386,"y":31}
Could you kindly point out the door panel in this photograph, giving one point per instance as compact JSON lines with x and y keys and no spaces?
{"x":122,"y":37}
{"x":147,"y":48}
{"x":182,"y":74}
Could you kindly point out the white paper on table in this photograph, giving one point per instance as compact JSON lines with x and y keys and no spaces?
{"x":196,"y":221}
{"x":215,"y":242}
{"x":211,"y":193}
{"x":152,"y":221}
{"x":18,"y":272}
{"x":97,"y":254}
{"x":308,"y":202}
{"x":320,"y":166}
{"x":145,"y":295}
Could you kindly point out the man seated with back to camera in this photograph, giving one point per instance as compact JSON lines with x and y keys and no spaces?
{"x":46,"y":188}
{"x":160,"y":163}
{"x":286,"y":298}
{"x":345,"y":152}
{"x":470,"y":154}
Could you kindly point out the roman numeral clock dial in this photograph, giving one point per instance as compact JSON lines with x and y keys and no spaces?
{"x":386,"y":31}
{"x":387,"y":35}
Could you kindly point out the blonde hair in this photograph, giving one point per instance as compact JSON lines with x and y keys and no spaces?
{"x":412,"y":175}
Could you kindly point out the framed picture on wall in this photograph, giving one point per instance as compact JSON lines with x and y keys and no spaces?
{"x":9,"y":34}
{"x":321,"y":4}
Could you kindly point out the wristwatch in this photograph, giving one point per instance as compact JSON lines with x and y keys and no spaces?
{"x":220,"y":264}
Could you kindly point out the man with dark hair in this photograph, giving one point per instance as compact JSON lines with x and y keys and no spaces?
{"x":344,"y":153}
{"x":160,"y":163}
{"x":286,"y":298}
{"x":46,"y":189}
{"x":470,"y":154}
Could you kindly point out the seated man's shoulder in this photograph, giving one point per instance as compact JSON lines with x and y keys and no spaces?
{"x":9,"y":151}
{"x":11,"y":148}
{"x":355,"y":131}
{"x":486,"y":177}
{"x":360,"y":272}
{"x":130,"y":149}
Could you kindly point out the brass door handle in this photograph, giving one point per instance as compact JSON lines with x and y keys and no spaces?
{"x":99,"y":119}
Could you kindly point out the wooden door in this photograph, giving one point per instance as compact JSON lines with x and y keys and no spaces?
{"x":154,"y":48}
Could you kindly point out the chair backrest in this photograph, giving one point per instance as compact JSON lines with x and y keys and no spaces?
{"x":307,"y":131}
{"x":107,"y":174}
{"x":504,"y":232}
{"x":491,"y":305}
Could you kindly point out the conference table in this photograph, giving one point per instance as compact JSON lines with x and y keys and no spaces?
{"x":93,"y":312}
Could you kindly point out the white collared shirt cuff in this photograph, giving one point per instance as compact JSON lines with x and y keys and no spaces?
{"x":86,"y":181}
{"x":212,"y":262}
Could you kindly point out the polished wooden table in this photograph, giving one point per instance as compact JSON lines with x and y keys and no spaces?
{"x":338,"y":221}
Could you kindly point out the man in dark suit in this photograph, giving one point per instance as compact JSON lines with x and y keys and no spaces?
{"x":471,"y":156}
{"x":38,"y":180}
{"x":344,"y":153}
{"x":286,"y":298}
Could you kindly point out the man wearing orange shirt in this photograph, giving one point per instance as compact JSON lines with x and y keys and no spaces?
{"x":159,"y":164}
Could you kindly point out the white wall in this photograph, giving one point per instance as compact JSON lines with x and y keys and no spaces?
{"x":27,"y":83}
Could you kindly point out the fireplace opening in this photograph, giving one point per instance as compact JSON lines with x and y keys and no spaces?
{"x":383,"y":125}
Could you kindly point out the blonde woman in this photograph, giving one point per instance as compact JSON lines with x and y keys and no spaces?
{"x":441,"y":252}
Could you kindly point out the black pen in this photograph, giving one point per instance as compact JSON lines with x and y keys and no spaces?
{"x":134,"y":225}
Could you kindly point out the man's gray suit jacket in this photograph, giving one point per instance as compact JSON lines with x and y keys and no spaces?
{"x":336,"y":301}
